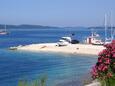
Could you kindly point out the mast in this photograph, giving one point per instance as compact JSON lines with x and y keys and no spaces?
{"x":92,"y":32}
{"x":5,"y":28}
{"x":105,"y":27}
{"x":111,"y":27}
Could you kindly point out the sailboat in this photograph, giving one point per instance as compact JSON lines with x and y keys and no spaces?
{"x":3,"y":32}
{"x":108,"y":40}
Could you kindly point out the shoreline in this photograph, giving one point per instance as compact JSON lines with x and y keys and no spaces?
{"x":70,"y":49}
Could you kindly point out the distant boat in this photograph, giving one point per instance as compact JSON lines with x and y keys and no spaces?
{"x":3,"y":32}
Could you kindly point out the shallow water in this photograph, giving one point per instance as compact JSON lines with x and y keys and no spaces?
{"x":18,"y":65}
{"x":58,"y":68}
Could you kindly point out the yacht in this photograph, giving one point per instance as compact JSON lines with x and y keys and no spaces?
{"x":64,"y":41}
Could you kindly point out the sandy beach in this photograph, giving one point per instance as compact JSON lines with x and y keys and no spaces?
{"x":71,"y":48}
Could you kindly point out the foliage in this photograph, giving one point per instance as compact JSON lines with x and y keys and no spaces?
{"x":37,"y":82}
{"x":104,"y":70}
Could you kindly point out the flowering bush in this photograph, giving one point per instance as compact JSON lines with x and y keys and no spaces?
{"x":104,"y":69}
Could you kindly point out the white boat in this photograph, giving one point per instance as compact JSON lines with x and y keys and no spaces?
{"x":108,"y":40}
{"x":3,"y":32}
{"x":64,"y":41}
{"x":94,"y":39}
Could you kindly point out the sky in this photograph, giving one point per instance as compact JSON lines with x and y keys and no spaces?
{"x":57,"y":12}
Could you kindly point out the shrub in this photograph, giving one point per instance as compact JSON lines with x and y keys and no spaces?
{"x":104,"y":70}
{"x":36,"y":82}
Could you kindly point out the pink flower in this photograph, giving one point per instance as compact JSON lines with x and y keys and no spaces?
{"x":109,"y":75}
{"x":104,"y":68}
{"x":100,"y":68}
{"x":113,"y":51}
{"x":114,"y":55}
{"x":113,"y":41}
{"x":94,"y":72}
{"x":107,"y":61}
{"x":99,"y":60}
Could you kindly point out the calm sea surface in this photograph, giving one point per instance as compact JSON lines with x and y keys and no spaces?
{"x":59,"y":68}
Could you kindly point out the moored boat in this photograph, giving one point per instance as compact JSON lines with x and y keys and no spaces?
{"x":94,"y":39}
{"x":3,"y":32}
{"x":64,"y":41}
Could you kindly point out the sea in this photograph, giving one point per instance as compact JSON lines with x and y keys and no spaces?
{"x":58,"y":68}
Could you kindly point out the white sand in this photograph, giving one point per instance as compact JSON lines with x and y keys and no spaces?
{"x":72,"y":48}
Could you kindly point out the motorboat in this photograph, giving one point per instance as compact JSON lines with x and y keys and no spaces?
{"x":64,"y":41}
{"x":94,"y":39}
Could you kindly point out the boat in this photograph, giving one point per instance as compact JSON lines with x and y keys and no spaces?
{"x":3,"y":32}
{"x":94,"y":39}
{"x":108,"y":40}
{"x":64,"y":41}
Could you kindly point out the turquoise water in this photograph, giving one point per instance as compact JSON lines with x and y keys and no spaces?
{"x":58,"y":67}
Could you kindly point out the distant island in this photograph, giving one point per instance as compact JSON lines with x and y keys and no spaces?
{"x":27,"y":26}
{"x":99,"y":27}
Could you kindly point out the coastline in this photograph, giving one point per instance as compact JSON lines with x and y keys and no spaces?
{"x":70,"y":49}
